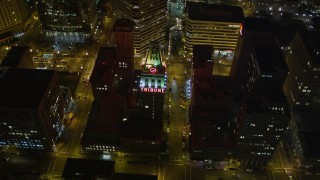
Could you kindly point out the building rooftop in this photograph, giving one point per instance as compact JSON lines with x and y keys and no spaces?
{"x":123,"y":25}
{"x":23,"y":88}
{"x":17,"y":51}
{"x":201,"y":53}
{"x":154,"y":59}
{"x":214,"y":12}
{"x":257,"y":24}
{"x":207,"y":133}
{"x":10,"y":61}
{"x":270,"y":59}
{"x":13,"y":56}
{"x":211,"y":115}
{"x":311,"y":41}
{"x":102,"y":71}
{"x":88,"y":169}
{"x":104,"y":120}
{"x":139,"y":127}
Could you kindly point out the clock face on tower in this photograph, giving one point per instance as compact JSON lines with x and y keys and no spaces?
{"x":153,"y":70}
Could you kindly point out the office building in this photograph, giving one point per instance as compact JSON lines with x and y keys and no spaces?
{"x":67,"y":20}
{"x":153,"y":81}
{"x":210,"y":24}
{"x":211,"y":111}
{"x":14,"y":14}
{"x":259,"y":71}
{"x":263,"y":119}
{"x":149,"y":18}
{"x":30,"y":116}
{"x":212,"y":119}
{"x":302,"y":84}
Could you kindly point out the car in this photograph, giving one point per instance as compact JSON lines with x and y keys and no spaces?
{"x":168,"y":130}
{"x":209,"y":167}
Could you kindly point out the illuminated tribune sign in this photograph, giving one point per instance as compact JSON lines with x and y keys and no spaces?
{"x":155,"y":90}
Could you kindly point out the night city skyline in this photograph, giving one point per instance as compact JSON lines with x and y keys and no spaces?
{"x":160,"y":89}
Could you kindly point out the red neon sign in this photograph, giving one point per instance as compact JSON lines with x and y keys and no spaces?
{"x":153,"y":70}
{"x":241,"y":30}
{"x":155,"y":90}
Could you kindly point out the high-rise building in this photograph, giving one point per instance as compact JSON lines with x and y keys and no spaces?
{"x":31,"y":108}
{"x":210,"y":24}
{"x":211,"y":110}
{"x":259,"y":71}
{"x":123,"y":40}
{"x":302,"y":86}
{"x":124,"y":120}
{"x":67,"y":20}
{"x":13,"y":15}
{"x":153,"y":83}
{"x":149,"y":18}
{"x":264,"y":116}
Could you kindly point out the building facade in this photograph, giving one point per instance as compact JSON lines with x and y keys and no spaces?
{"x":210,"y":24}
{"x":30,"y":116}
{"x":123,"y":40}
{"x":149,"y":18}
{"x":263,"y":123}
{"x":67,"y":20}
{"x":13,"y":15}
{"x":302,"y":84}
{"x":304,"y":130}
